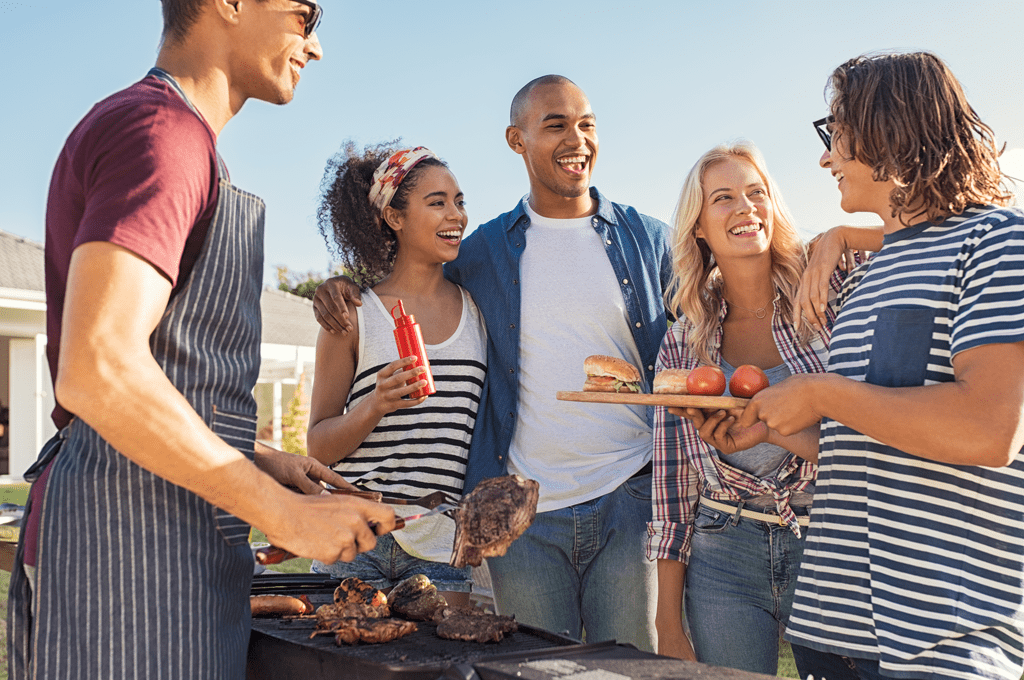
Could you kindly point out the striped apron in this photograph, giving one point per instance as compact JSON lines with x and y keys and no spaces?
{"x":136,"y":577}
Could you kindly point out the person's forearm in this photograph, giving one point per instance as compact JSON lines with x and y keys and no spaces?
{"x":945,"y":422}
{"x":333,"y":439}
{"x":804,"y":443}
{"x":129,"y":401}
{"x":671,"y":580}
{"x":863,"y":238}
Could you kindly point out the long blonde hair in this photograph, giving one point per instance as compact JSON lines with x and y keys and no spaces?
{"x":697,"y":283}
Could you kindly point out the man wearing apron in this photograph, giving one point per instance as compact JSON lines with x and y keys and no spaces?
{"x":134,"y":561}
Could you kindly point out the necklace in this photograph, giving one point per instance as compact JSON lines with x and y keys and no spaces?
{"x":760,"y":312}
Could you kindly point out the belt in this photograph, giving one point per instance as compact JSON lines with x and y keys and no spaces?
{"x":739,"y":511}
{"x":645,"y":470}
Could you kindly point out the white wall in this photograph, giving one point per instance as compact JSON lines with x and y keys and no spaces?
{"x":31,"y":401}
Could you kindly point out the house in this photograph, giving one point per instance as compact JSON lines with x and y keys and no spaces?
{"x":288,"y":351}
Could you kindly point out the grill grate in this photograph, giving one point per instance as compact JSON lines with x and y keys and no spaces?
{"x":281,"y":648}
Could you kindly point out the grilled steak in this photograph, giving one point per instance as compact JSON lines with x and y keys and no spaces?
{"x":373,"y":631}
{"x":327,"y":614}
{"x":417,"y":599}
{"x":474,"y":625}
{"x":496,"y":513}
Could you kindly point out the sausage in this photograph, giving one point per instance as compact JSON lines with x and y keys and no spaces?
{"x":280,"y":605}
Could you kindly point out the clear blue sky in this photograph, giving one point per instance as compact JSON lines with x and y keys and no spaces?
{"x":667,"y":80}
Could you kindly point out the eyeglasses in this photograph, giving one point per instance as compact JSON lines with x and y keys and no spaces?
{"x":821,"y":127}
{"x":316,"y":13}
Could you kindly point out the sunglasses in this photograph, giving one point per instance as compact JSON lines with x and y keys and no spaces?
{"x":316,"y":13}
{"x":821,"y":127}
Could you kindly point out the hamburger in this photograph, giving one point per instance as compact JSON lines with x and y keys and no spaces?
{"x":671,"y":381}
{"x":609,"y":374}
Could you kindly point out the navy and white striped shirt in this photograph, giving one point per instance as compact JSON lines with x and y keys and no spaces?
{"x":911,"y":562}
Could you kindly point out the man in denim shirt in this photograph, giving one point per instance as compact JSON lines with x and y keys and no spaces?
{"x":590,"y":283}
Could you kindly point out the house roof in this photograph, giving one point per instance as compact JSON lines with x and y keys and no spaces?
{"x":288,"y":319}
{"x":21,"y":263}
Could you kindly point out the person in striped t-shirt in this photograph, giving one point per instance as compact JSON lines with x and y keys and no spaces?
{"x":914,"y":561}
{"x":397,"y":215}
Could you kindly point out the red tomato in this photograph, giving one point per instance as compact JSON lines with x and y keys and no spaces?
{"x":706,"y":380}
{"x":747,"y":381}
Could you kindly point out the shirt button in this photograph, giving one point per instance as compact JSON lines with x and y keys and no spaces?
{"x":625,"y":282}
{"x":512,"y":371}
{"x":650,"y":368}
{"x":511,"y":325}
{"x":515,"y":282}
{"x":517,"y":245}
{"x":609,"y":241}
{"x":638,"y":324}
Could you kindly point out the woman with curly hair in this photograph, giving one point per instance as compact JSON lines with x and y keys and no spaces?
{"x":396,"y":216}
{"x":730,"y":505}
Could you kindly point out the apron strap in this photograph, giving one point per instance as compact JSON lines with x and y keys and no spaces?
{"x":163,"y":75}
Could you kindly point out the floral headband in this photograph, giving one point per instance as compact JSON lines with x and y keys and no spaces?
{"x":391,"y":172}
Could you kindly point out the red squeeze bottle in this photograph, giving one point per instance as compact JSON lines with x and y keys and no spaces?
{"x":410,"y":343}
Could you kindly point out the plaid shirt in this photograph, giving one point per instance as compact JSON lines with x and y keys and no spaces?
{"x":680,"y":480}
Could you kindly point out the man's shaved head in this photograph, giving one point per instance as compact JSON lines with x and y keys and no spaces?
{"x":522,"y":97}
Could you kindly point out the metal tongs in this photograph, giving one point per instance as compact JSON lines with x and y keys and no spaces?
{"x":436,"y":503}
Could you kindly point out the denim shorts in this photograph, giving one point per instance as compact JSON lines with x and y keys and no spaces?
{"x":387,"y":565}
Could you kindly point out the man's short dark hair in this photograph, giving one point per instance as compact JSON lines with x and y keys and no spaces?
{"x":522,"y":97}
{"x":180,"y":16}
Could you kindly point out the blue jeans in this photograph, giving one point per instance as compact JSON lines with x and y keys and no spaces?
{"x":584,"y":568}
{"x":739,"y":590}
{"x":828,"y":666}
{"x":387,"y":565}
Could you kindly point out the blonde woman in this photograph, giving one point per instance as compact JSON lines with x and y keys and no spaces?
{"x":731,"y":505}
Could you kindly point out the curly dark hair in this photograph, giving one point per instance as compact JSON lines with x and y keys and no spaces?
{"x":906,"y":116}
{"x":363,"y":241}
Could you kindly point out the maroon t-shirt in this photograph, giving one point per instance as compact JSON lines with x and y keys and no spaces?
{"x":140,"y":171}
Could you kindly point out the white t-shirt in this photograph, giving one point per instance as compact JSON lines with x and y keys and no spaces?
{"x":572,"y":307}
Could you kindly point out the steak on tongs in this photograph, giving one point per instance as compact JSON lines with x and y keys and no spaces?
{"x":493,"y":515}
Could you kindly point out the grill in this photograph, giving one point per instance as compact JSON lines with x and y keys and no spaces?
{"x":282,"y":648}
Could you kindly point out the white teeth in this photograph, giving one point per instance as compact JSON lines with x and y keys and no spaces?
{"x":450,"y":234}
{"x":745,"y":229}
{"x":572,"y":159}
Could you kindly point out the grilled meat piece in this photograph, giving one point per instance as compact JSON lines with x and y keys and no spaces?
{"x":417,"y":599}
{"x":473,"y":624}
{"x":373,"y":631}
{"x":356,"y":590}
{"x":493,"y":515}
{"x":328,"y":614}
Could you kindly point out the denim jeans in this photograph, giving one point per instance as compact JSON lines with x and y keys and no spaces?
{"x":387,"y":565}
{"x":585,"y":568}
{"x":739,"y":590}
{"x":828,"y":666}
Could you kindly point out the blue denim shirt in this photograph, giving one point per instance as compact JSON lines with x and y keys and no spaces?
{"x":488,"y":267}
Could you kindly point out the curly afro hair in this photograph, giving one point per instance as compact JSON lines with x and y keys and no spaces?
{"x":364,"y":242}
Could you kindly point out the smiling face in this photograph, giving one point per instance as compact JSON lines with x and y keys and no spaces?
{"x":557,"y":138}
{"x":430,"y":227}
{"x":859,"y":190}
{"x":737,"y":216}
{"x":272,"y":49}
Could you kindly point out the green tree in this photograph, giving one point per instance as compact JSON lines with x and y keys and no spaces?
{"x":295,"y":421}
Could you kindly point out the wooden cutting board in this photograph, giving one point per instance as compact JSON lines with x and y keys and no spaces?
{"x":680,"y":400}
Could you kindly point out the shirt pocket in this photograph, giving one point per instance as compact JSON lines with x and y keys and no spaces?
{"x":239,"y":431}
{"x":900,"y":347}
